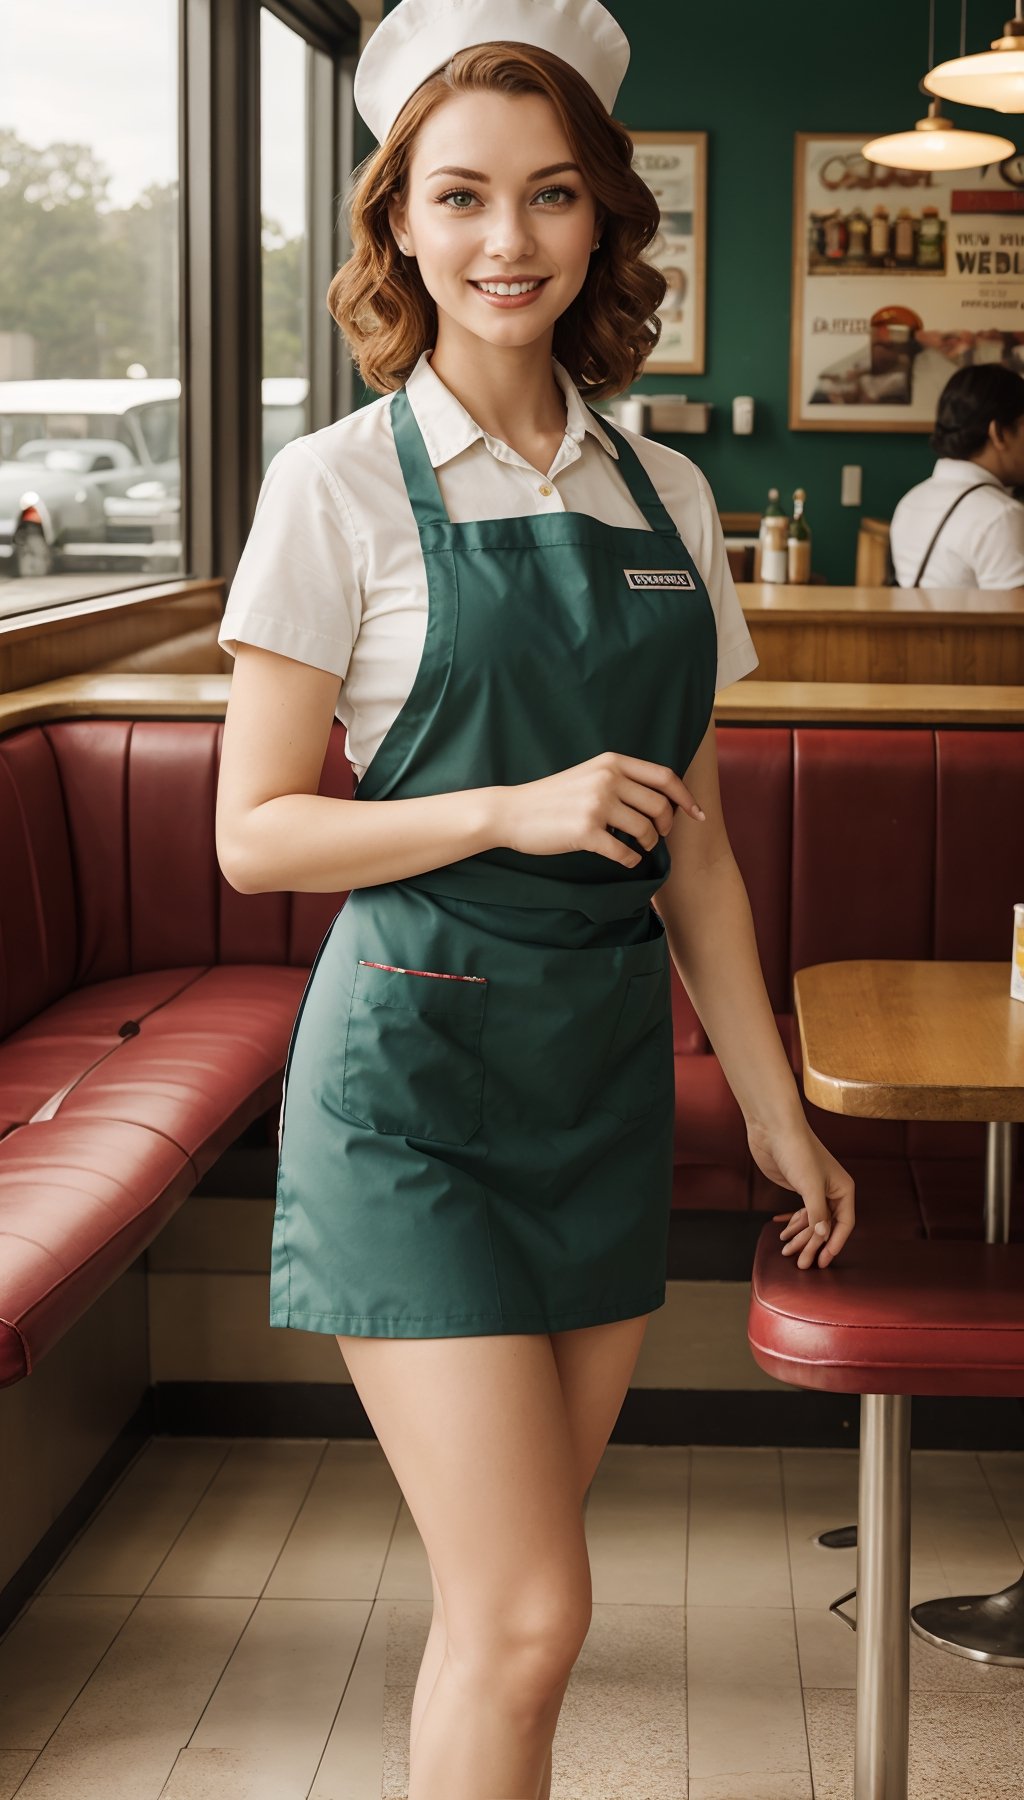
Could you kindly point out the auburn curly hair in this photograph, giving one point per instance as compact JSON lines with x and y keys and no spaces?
{"x":604,"y":337}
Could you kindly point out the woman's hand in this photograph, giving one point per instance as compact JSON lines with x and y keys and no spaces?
{"x":793,"y":1157}
{"x":575,"y":809}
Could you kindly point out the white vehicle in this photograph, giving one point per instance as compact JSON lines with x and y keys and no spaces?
{"x":90,"y":470}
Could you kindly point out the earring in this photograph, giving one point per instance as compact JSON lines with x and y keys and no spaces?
{"x":596,"y":244}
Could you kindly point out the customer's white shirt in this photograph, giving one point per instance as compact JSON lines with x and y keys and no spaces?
{"x":332,"y":572}
{"x":982,"y":545}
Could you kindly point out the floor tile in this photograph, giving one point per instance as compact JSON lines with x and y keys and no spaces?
{"x":968,"y":1752}
{"x":127,"y":1539}
{"x":820,"y":1488}
{"x":352,"y":1765}
{"x":953,"y":1509}
{"x":737,"y":1547}
{"x":406,"y":1571}
{"x":235,"y":1535}
{"x":46,"y":1659}
{"x":636,"y":1525}
{"x":1004,"y":1471}
{"x":795,"y":1784}
{"x":743,"y":1685}
{"x":828,"y":1659}
{"x":14,"y":1766}
{"x":120,"y":1738}
{"x":275,"y":1703}
{"x":338,"y":1544}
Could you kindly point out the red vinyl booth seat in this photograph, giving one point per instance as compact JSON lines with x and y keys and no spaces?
{"x":146,"y":1006}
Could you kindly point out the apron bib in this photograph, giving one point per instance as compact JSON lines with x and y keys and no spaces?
{"x":477,"y":1121}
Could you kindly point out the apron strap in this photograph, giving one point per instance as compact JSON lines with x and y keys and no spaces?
{"x":423,"y":487}
{"x":637,"y":480}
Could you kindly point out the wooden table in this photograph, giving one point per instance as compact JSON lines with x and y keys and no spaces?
{"x":891,"y":1039}
{"x":888,"y":1039}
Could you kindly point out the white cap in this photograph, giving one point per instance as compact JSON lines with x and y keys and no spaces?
{"x":420,"y":36}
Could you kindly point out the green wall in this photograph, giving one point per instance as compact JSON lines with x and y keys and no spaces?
{"x":751,"y":75}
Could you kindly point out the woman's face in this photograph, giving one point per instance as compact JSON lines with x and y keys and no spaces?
{"x":490,"y":200}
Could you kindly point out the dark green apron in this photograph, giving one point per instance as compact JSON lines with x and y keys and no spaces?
{"x":477,"y":1118}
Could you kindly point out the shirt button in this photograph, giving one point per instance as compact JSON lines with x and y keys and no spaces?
{"x":545,"y":489}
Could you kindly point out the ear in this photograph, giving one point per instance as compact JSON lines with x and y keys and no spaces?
{"x":396,"y":219}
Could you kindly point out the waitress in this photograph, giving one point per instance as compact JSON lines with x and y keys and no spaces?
{"x":521,"y":613}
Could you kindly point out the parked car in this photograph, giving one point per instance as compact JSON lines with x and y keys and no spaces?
{"x":90,"y":475}
{"x":90,"y":471}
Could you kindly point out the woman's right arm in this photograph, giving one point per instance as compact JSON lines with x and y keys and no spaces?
{"x":274,"y":832}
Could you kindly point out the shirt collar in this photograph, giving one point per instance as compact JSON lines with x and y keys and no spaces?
{"x":447,"y":427}
{"x":959,"y":471}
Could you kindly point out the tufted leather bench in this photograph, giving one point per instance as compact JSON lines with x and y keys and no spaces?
{"x":888,"y":1320}
{"x":145,"y":1005}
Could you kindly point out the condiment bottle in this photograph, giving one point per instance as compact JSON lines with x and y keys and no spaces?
{"x":774,"y":562}
{"x":772,"y":511}
{"x":798,"y":542}
{"x":903,"y":236}
{"x":879,"y":247}
{"x":929,"y":239}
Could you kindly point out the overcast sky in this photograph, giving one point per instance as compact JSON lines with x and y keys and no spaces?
{"x":104,"y":73}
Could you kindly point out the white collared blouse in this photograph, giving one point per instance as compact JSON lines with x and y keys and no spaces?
{"x":982,"y":546}
{"x":332,"y":574}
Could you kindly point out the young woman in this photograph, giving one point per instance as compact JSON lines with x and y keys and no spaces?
{"x":521,"y":614}
{"x":964,"y":527}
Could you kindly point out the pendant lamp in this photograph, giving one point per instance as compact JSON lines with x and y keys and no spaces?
{"x":935,"y":142}
{"x":993,"y":78}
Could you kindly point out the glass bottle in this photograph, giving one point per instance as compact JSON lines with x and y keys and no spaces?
{"x":774,"y":562}
{"x":903,"y":237}
{"x":772,"y":511}
{"x":798,"y":542}
{"x":930,"y":240}
{"x":879,"y":244}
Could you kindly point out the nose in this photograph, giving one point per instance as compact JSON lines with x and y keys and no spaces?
{"x":510,"y":236}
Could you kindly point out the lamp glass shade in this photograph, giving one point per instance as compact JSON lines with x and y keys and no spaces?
{"x":994,"y":78}
{"x":947,"y":149}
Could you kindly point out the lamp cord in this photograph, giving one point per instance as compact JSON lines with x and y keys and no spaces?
{"x":931,"y":32}
{"x":963,"y":26}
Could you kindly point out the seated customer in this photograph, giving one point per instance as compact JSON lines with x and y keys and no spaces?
{"x":963,"y":528}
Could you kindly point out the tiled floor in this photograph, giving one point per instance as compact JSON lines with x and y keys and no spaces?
{"x":243,"y":1620}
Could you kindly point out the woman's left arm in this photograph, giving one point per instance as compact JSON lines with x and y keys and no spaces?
{"x":710,"y":932}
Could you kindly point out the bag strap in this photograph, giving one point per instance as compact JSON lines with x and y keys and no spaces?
{"x":942,"y":522}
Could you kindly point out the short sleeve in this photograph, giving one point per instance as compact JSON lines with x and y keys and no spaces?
{"x":299,"y":582}
{"x":736,"y":653}
{"x":997,"y":549}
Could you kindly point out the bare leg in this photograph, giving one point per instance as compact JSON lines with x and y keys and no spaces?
{"x":594,"y":1366}
{"x":476,"y":1433}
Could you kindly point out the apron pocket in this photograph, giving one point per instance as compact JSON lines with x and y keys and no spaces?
{"x":412,"y":1065}
{"x":639,"y":1071}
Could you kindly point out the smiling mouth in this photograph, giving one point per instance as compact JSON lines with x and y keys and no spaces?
{"x":524,"y":285}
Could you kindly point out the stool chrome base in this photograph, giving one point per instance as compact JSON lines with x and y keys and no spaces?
{"x":987,"y":1627}
{"x":838,"y":1537}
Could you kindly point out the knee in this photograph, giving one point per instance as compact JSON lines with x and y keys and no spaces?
{"x":527,"y":1651}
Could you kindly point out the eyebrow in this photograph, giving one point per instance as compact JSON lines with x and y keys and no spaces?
{"x":476,"y":174}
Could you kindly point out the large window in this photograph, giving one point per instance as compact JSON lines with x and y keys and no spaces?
{"x":171,"y":182}
{"x":284,"y":260}
{"x":90,"y":454}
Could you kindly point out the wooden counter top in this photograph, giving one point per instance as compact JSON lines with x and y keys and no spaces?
{"x":942,"y":606}
{"x":746,"y":702}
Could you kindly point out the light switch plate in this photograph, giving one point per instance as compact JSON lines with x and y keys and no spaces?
{"x":850,"y":491}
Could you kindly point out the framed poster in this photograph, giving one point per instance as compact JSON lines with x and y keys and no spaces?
{"x":674,"y":166}
{"x":900,"y":276}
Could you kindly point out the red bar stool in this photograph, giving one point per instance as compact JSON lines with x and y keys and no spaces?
{"x":888,"y":1320}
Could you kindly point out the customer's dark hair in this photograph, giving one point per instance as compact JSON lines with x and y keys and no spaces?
{"x":970,"y":400}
